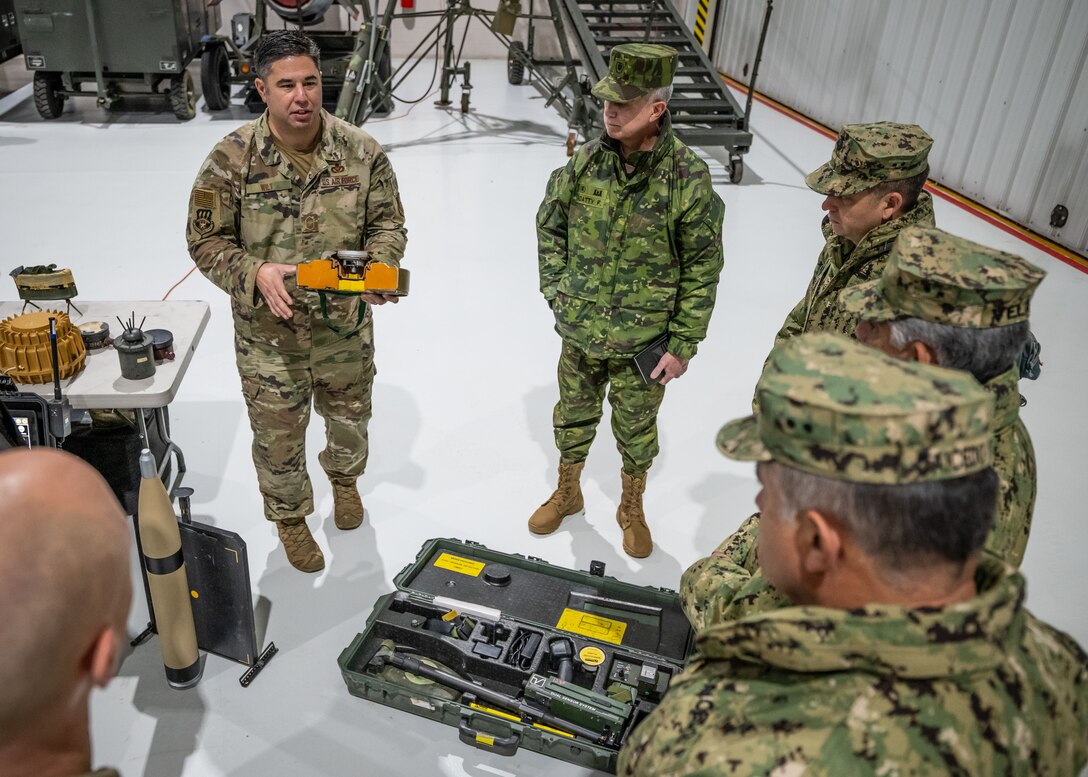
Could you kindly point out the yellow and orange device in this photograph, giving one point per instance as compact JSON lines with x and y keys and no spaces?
{"x":352,"y":272}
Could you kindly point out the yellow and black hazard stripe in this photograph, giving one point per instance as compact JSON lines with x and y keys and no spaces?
{"x":701,"y":14}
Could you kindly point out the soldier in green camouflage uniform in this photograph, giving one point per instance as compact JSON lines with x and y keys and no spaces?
{"x":950,"y":301}
{"x":630,"y":249}
{"x":908,"y":650}
{"x":873,"y":187}
{"x":286,"y":188}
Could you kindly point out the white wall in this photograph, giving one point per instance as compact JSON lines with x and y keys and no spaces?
{"x":1001,"y":85}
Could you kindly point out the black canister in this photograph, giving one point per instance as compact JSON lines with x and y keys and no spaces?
{"x":162,"y":344}
{"x":135,"y":352}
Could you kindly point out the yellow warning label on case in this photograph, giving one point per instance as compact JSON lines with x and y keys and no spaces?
{"x":464,"y":566}
{"x":593,"y":626}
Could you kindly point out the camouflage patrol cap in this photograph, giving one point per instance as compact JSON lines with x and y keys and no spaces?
{"x":635,"y":70}
{"x":869,"y":154}
{"x":946,"y":279}
{"x":834,"y":407}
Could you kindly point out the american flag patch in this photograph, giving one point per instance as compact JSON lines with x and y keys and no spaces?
{"x":204,"y":198}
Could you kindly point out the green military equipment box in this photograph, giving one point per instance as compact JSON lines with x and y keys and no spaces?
{"x":516,"y":653}
{"x":9,"y":32}
{"x":122,"y":47}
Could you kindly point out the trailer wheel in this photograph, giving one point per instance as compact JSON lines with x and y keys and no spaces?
{"x":215,"y":77}
{"x":183,"y":96}
{"x":47,"y":96}
{"x":515,"y":66}
{"x":736,"y":169}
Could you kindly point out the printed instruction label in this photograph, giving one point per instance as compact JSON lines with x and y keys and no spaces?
{"x":593,"y":626}
{"x":463,"y":566}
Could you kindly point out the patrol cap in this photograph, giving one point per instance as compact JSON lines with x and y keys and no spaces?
{"x":946,"y":279}
{"x":869,"y":154}
{"x":834,"y":407}
{"x":635,"y":70}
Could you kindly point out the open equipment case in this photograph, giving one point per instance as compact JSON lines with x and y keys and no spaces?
{"x":517,"y":653}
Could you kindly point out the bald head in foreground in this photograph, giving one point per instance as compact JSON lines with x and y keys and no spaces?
{"x":64,"y":598}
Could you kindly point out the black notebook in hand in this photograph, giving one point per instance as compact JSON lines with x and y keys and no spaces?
{"x":648,"y":357}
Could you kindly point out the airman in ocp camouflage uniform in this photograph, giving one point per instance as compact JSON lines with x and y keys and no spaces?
{"x":262,"y":204}
{"x":873,"y":187}
{"x":630,"y":249}
{"x":962,"y":305}
{"x":908,"y":651}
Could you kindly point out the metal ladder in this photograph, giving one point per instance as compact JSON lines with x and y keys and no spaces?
{"x":704,"y":113}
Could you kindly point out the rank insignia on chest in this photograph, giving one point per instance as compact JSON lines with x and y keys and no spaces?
{"x":310,"y":222}
{"x":590,"y":195}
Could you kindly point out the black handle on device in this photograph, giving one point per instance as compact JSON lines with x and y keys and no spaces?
{"x":492,"y":744}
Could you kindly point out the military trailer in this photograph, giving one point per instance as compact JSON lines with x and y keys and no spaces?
{"x":112,"y":49}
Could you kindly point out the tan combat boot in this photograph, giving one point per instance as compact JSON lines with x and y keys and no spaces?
{"x":347,"y":506}
{"x":302,"y":551}
{"x":567,"y":500}
{"x":629,"y":515}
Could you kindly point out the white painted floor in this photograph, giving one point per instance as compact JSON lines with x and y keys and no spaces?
{"x":461,"y":439}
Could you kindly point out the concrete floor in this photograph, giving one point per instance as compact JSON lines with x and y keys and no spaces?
{"x":461,"y":438}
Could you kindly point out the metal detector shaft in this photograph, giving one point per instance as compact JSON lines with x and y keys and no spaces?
{"x":60,"y":414}
{"x":417,"y":667}
{"x":56,"y":357}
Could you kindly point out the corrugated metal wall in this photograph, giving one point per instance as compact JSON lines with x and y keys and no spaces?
{"x":1001,"y":85}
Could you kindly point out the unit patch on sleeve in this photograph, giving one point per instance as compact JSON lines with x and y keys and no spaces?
{"x":205,"y":211}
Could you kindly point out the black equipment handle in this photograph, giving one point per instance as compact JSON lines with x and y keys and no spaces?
{"x":492,"y":744}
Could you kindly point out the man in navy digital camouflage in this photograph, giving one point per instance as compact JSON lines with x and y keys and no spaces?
{"x":897,"y":648}
{"x":630,"y":249}
{"x":941,"y":300}
{"x":950,"y":301}
{"x":872,"y":189}
{"x":290,"y":186}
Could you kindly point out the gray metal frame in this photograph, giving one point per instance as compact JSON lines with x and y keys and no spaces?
{"x":704,"y":112}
